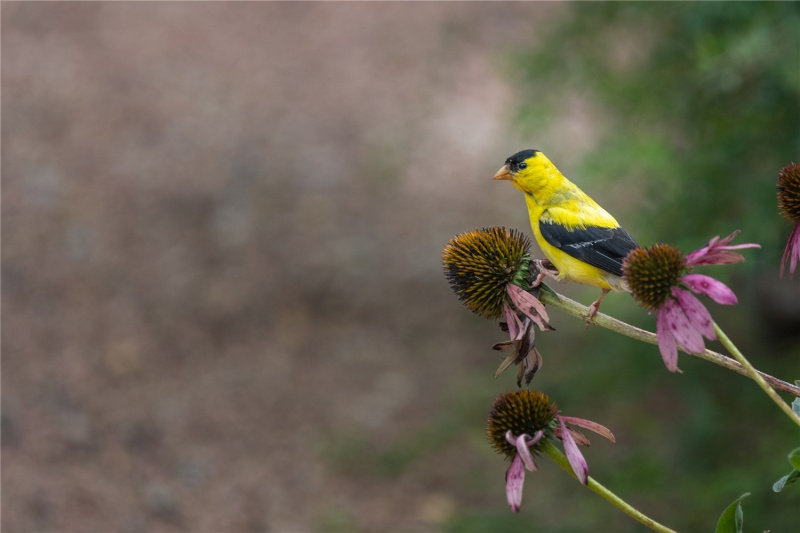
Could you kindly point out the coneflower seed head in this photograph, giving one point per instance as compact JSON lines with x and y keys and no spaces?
{"x":652,"y":272}
{"x":789,"y":192}
{"x":480,"y":264}
{"x":522,"y":411}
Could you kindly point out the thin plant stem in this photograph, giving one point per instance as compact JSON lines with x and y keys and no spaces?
{"x":555,"y":454}
{"x":571,"y":307}
{"x":755,"y":375}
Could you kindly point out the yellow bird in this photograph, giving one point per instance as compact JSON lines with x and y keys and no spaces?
{"x":582,"y":240}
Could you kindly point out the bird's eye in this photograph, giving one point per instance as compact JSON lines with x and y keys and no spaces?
{"x":523,"y":165}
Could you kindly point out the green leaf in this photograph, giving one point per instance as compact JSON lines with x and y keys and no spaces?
{"x":794,"y":458}
{"x":732,"y":518}
{"x":788,"y":479}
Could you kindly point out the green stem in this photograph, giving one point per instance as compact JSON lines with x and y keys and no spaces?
{"x":755,"y":375}
{"x":571,"y":307}
{"x":547,"y":448}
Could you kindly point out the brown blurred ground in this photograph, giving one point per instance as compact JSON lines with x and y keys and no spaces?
{"x":221,"y":237}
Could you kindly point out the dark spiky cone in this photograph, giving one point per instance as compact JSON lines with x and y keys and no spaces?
{"x":480,"y":264}
{"x":789,"y":192}
{"x":652,"y":272}
{"x":523,"y":411}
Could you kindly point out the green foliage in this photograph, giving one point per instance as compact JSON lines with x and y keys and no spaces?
{"x":732,"y":518}
{"x":788,"y":479}
{"x":794,"y":459}
{"x":702,"y":104}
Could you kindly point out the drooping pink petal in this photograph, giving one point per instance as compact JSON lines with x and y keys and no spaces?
{"x":592,"y":426}
{"x":718,"y":252}
{"x":716,"y":290}
{"x":530,"y":306}
{"x":515,"y":479}
{"x":524,"y":453}
{"x":510,"y":438}
{"x":580,"y":438}
{"x":696,"y":312}
{"x":539,"y":435}
{"x":666,"y":342}
{"x":792,"y":252}
{"x":683,"y":331}
{"x":523,"y":442}
{"x":512,"y":321}
{"x":574,"y":456}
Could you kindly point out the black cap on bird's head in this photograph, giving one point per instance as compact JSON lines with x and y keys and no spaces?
{"x":520,"y":157}
{"x":514,"y":164}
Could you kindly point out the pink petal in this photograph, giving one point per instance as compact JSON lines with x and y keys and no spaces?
{"x":524,"y":453}
{"x":683,"y":331}
{"x":696,"y":312}
{"x":579,"y":438}
{"x":718,"y":252}
{"x":743,"y":246}
{"x":716,"y":257}
{"x":530,"y":306}
{"x":592,"y":426}
{"x":666,"y":342}
{"x":512,"y":321}
{"x":574,"y":456}
{"x":695,"y":257}
{"x":728,"y":239}
{"x":515,"y":479}
{"x":792,"y":251}
{"x":510,"y":438}
{"x":716,"y":290}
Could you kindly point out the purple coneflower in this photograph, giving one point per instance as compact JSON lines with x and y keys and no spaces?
{"x":490,"y":270}
{"x":789,"y":205}
{"x":659,"y":277}
{"x":519,"y":421}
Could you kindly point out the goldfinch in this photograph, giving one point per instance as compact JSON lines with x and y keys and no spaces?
{"x":582,"y":240}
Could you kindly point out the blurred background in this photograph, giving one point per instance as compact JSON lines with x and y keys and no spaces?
{"x":223,"y":305}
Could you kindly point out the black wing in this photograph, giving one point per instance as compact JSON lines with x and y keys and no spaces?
{"x":604,"y":248}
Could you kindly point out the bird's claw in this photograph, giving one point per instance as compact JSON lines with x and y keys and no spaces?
{"x":594,"y":308}
{"x":589,"y":317}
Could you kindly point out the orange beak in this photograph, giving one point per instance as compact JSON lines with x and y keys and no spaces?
{"x":504,"y":174}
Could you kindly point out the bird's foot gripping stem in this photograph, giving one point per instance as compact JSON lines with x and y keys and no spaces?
{"x":594,"y":308}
